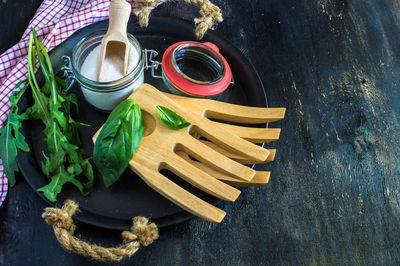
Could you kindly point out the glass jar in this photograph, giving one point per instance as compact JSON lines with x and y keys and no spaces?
{"x":193,"y":69}
{"x":105,"y":95}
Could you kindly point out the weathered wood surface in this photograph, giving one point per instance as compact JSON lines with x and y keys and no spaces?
{"x":333,"y":196}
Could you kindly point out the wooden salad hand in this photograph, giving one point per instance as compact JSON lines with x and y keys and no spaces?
{"x":160,"y":145}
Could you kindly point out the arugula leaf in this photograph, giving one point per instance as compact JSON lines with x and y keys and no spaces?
{"x":118,"y":141}
{"x":51,"y":190}
{"x":65,"y":161}
{"x":170,"y":118}
{"x":11,"y":139}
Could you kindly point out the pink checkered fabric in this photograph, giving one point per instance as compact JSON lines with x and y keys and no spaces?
{"x":54,"y":21}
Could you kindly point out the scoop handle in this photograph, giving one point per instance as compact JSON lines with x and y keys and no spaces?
{"x":119,"y":16}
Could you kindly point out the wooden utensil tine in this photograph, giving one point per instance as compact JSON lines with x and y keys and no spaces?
{"x":230,"y":142}
{"x":178,"y":195}
{"x":252,"y":134}
{"x":230,"y":112}
{"x":214,"y":159}
{"x":201,"y":179}
{"x":261,"y":177}
{"x":239,"y":158}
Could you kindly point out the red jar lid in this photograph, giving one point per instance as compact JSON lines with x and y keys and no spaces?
{"x":208,"y":53}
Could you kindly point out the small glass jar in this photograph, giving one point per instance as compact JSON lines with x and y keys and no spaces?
{"x":192,"y":68}
{"x":195,"y":69}
{"x":105,"y":95}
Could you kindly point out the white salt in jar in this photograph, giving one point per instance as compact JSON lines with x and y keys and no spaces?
{"x":112,"y":87}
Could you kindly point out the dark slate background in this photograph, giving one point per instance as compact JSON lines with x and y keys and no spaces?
{"x":333,"y":197}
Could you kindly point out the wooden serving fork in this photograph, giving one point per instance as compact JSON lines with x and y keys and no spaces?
{"x":159,"y":147}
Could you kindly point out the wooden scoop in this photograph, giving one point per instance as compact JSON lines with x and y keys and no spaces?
{"x":115,"y":43}
{"x":160,"y":145}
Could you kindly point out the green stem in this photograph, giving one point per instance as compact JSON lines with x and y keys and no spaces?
{"x":32,"y":79}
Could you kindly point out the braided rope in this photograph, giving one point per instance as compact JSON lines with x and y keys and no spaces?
{"x":141,"y":233}
{"x":210,"y":14}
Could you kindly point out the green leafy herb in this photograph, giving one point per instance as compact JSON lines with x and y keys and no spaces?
{"x":65,"y":161}
{"x":170,"y":118}
{"x":11,"y":139}
{"x":118,"y":141}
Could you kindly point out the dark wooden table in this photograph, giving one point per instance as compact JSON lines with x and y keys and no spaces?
{"x":334,"y":194}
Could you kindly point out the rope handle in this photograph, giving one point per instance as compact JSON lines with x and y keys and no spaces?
{"x":141,"y":233}
{"x":210,"y":14}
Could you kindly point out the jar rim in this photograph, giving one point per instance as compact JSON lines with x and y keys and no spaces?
{"x":186,"y":84}
{"x":205,"y":51}
{"x":107,"y":86}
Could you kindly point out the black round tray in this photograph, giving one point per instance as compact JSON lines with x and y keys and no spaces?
{"x":129,"y":197}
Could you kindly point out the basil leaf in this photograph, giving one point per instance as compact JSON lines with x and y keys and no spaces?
{"x":170,"y":118}
{"x":118,"y":141}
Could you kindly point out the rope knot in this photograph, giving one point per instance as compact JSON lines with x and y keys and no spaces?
{"x":61,"y":218}
{"x":210,"y":15}
{"x":144,"y":9}
{"x":209,"y":10}
{"x":141,"y":230}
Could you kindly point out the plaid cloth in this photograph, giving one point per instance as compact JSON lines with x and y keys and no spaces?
{"x":54,"y":21}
